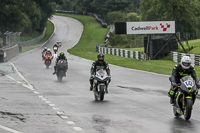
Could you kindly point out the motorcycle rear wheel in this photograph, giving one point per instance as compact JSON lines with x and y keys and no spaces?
{"x":60,"y":75}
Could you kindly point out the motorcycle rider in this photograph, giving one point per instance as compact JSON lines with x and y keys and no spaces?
{"x":48,"y":52}
{"x":61,"y":56}
{"x":56,"y":45}
{"x":100,"y":63}
{"x":44,"y":50}
{"x":179,"y":71}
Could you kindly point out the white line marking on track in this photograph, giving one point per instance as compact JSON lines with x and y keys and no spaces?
{"x":36,"y":92}
{"x":56,"y":108}
{"x":60,"y":112}
{"x":48,"y":102}
{"x":77,"y":128}
{"x":52,"y":105}
{"x":64,"y":116}
{"x":70,"y":123}
{"x":44,"y":99}
{"x":9,"y":129}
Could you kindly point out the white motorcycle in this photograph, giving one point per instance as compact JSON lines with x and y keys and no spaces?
{"x":100,"y":84}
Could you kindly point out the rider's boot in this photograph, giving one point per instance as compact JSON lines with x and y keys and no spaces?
{"x":91,"y":88}
{"x":54,"y":70}
{"x":106,"y":90}
{"x":171,"y":95}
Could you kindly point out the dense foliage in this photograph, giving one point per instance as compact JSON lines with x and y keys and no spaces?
{"x":31,"y":15}
{"x":185,"y":13}
{"x":25,"y":15}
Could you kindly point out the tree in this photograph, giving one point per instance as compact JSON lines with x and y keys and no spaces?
{"x":12,"y":18}
{"x":183,"y":12}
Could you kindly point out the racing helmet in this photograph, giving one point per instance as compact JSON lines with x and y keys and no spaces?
{"x":100,"y":57}
{"x":48,"y":49}
{"x":186,"y":62}
{"x":62,"y":54}
{"x":45,"y":48}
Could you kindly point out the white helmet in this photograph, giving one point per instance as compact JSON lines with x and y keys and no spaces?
{"x":186,"y":62}
{"x":48,"y":49}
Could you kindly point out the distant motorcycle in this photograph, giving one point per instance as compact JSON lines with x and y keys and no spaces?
{"x":43,"y":55}
{"x":47,"y":60}
{"x":55,"y":49}
{"x":61,"y":69}
{"x":100,"y":84}
{"x":59,"y":44}
{"x":185,"y":97}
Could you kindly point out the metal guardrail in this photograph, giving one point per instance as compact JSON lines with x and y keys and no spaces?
{"x":176,"y":57}
{"x":96,"y":17}
{"x":121,"y":52}
{"x":11,"y":38}
{"x":29,"y":42}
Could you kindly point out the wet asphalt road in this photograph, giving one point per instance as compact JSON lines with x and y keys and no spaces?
{"x":137,"y":101}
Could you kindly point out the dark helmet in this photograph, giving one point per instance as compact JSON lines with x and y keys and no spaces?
{"x":100,"y":57}
{"x":62,"y":54}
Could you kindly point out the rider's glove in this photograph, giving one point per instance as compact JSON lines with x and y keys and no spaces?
{"x":174,"y":84}
{"x":198,"y":85}
{"x":92,"y":76}
{"x":109,"y":78}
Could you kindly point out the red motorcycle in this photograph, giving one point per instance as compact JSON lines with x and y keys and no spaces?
{"x":47,"y":60}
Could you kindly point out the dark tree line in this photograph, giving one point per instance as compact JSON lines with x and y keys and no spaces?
{"x":25,"y":15}
{"x":30,"y":15}
{"x":185,"y":13}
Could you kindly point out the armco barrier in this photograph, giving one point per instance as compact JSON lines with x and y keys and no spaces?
{"x":102,"y":23}
{"x":176,"y":57}
{"x":29,"y":42}
{"x":8,"y":53}
{"x":121,"y":52}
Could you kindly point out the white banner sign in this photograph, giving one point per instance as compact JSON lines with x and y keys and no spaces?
{"x":152,"y":27}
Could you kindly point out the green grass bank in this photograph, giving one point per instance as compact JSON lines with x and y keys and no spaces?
{"x":49,"y":32}
{"x":93,"y":34}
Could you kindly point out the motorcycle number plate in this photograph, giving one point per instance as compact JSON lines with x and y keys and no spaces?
{"x":188,"y":83}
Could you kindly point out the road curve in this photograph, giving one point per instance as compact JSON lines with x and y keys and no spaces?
{"x":137,"y":100}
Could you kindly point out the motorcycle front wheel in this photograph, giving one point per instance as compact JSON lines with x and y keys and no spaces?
{"x":101,"y":93}
{"x":188,"y":109}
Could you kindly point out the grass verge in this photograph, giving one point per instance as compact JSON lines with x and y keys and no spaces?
{"x":49,"y":32}
{"x":93,"y":34}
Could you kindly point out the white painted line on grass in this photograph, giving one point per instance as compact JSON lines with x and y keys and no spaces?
{"x":77,"y":128}
{"x":70,"y":123}
{"x":9,"y":129}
